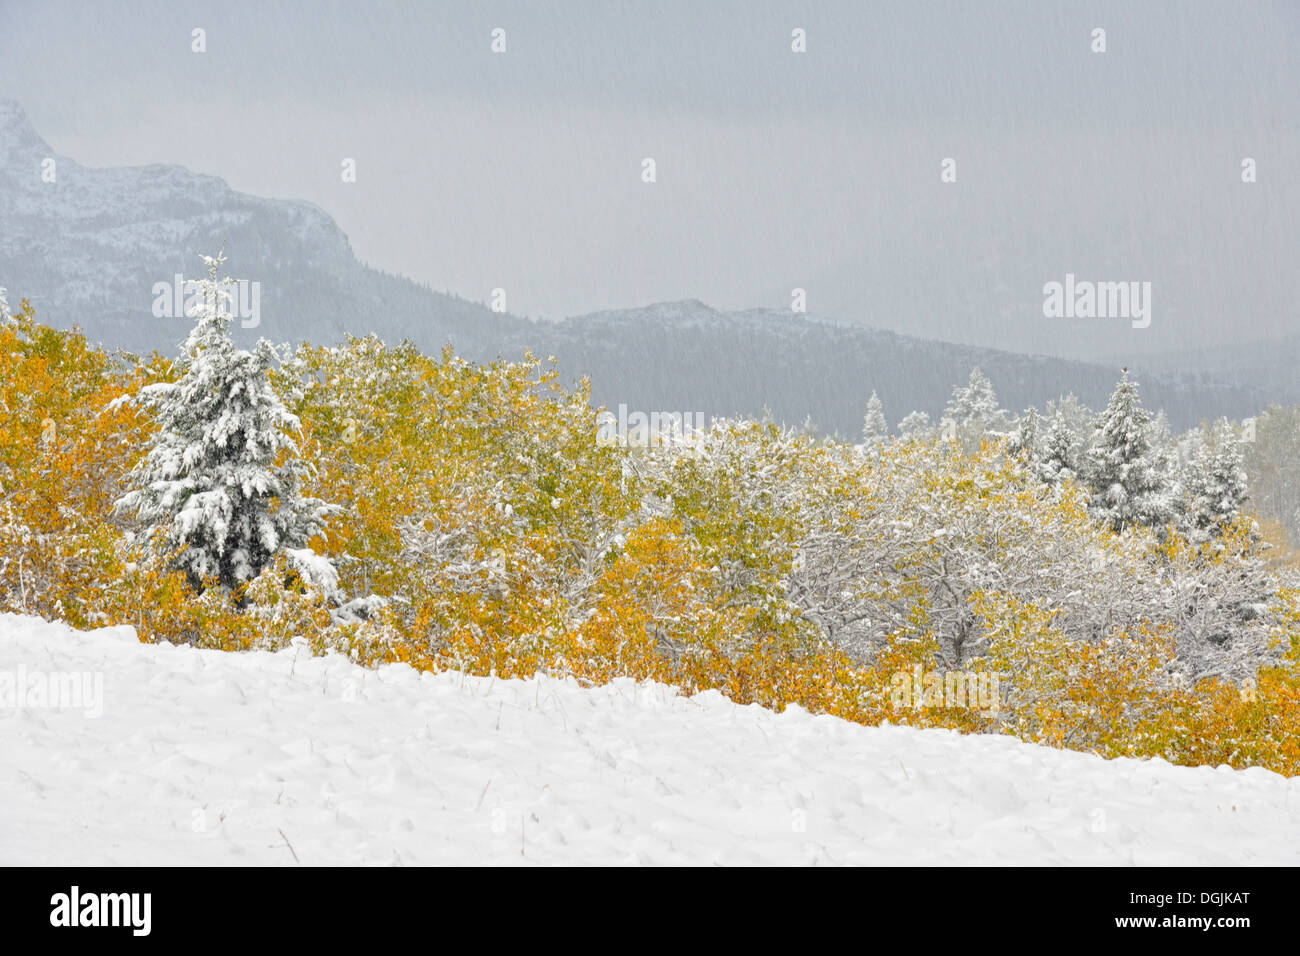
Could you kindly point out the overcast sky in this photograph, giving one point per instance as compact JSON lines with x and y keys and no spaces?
{"x":775,"y":169}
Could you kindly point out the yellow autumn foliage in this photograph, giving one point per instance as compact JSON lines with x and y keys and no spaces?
{"x":501,"y":537}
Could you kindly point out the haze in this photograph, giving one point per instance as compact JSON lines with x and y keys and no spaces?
{"x":775,"y":170}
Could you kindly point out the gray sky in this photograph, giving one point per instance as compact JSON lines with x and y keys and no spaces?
{"x":775,"y":170}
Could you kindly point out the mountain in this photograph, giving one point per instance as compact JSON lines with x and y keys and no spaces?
{"x":89,"y":247}
{"x":1269,"y":365}
{"x":685,"y":356}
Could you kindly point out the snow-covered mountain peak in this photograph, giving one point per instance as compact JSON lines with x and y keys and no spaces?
{"x":18,"y":137}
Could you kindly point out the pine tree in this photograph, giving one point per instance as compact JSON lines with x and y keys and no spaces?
{"x":1060,"y":456}
{"x":972,"y":411}
{"x":221,"y":479}
{"x":1026,"y":433}
{"x":1161,"y":436}
{"x":1216,"y":481}
{"x":1193,"y":458}
{"x":1127,"y":472}
{"x":5,"y":315}
{"x":1079,"y":419}
{"x":874,"y":427}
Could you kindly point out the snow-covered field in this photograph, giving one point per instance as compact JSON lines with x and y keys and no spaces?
{"x":209,"y":758}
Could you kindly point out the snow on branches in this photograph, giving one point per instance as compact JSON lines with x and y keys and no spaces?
{"x":1120,"y":602}
{"x":221,"y":480}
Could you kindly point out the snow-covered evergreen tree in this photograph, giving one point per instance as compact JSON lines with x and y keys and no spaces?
{"x":915,"y":425}
{"x":221,"y":480}
{"x":974,"y":401}
{"x":1161,"y":435}
{"x":1193,"y":455}
{"x":1128,"y":473}
{"x":874,"y":426}
{"x":1215,"y":480}
{"x":1026,"y":434}
{"x":973,"y":412}
{"x":1077,"y":417}
{"x":1060,"y":451}
{"x":5,"y":314}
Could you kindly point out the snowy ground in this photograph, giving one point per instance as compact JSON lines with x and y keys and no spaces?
{"x":209,"y":758}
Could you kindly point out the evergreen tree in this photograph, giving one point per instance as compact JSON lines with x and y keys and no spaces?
{"x":5,"y":315}
{"x":1025,"y":435}
{"x":222,"y":476}
{"x":874,"y":427}
{"x":1060,"y":456}
{"x":1193,"y":457}
{"x":972,"y":411}
{"x":1078,"y":419}
{"x":1216,"y":481}
{"x":1127,"y":472}
{"x":1161,"y":436}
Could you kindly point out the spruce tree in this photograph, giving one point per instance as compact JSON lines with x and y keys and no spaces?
{"x":874,"y":426}
{"x":1060,"y":459}
{"x":1127,"y":471}
{"x":1025,"y":436}
{"x":221,"y":480}
{"x":1077,"y":418}
{"x":972,"y":411}
{"x":1216,"y":481}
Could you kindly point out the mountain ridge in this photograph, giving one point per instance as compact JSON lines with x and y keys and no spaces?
{"x":89,"y":247}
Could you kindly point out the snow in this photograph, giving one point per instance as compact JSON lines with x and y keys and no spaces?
{"x":215,"y":466}
{"x":203,"y":757}
{"x":317,"y":572}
